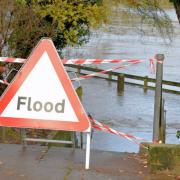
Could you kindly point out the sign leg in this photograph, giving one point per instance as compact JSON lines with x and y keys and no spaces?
{"x":23,"y":136}
{"x":88,"y":141}
{"x":73,"y":138}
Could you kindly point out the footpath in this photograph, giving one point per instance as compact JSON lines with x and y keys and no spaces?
{"x":55,"y":163}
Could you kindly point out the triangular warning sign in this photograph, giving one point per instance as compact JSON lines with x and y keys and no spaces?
{"x":42,"y":95}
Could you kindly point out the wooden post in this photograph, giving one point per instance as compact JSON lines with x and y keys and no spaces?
{"x":145,"y":83}
{"x":23,"y":137}
{"x":162,"y":130}
{"x":79,"y":92}
{"x":73,"y":139}
{"x":110,"y":76}
{"x":158,"y":97}
{"x":120,"y":84}
{"x":3,"y":134}
{"x":78,"y":70}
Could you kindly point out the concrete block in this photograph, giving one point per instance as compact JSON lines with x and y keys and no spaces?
{"x":162,"y":156}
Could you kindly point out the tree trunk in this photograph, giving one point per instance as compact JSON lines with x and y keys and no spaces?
{"x":177,"y":8}
{"x":1,"y":48}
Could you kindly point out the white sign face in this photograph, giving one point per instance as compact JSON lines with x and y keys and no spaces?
{"x":41,"y":96}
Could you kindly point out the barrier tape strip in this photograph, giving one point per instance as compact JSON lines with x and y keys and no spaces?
{"x":152,"y":64}
{"x":102,"y":127}
{"x":102,"y":72}
{"x":87,"y":61}
{"x":12,"y":60}
{"x":4,"y":82}
{"x":97,"y":61}
{"x":152,"y":67}
{"x":91,"y":75}
{"x":95,"y":74}
{"x":74,"y":61}
{"x":2,"y":69}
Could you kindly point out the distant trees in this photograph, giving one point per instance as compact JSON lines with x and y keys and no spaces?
{"x":67,"y":22}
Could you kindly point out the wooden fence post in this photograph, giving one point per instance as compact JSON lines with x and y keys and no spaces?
{"x":110,"y":76}
{"x":79,"y":92}
{"x":3,"y":133}
{"x":145,"y":83}
{"x":79,"y":70}
{"x":162,"y":128}
{"x":120,"y":84}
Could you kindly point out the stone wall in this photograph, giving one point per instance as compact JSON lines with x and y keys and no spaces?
{"x":162,"y":156}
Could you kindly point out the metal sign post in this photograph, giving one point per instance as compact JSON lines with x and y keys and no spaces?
{"x":25,"y":139}
{"x":88,"y":141}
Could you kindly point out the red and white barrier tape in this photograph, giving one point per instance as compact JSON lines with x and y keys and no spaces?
{"x":102,"y":127}
{"x":97,"y":61}
{"x":74,"y":61}
{"x":96,"y":74}
{"x":152,"y":66}
{"x":12,"y":60}
{"x":2,"y":69}
{"x":87,"y":61}
{"x":4,"y":82}
{"x":91,"y":75}
{"x":103,"y":72}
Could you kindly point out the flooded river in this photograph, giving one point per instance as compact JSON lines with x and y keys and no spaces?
{"x":133,"y":112}
{"x":126,"y":41}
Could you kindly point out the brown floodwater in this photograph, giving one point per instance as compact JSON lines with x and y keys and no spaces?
{"x":132,"y":112}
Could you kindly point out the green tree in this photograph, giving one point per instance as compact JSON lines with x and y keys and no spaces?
{"x":67,"y":22}
{"x":24,"y":22}
{"x":72,"y":19}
